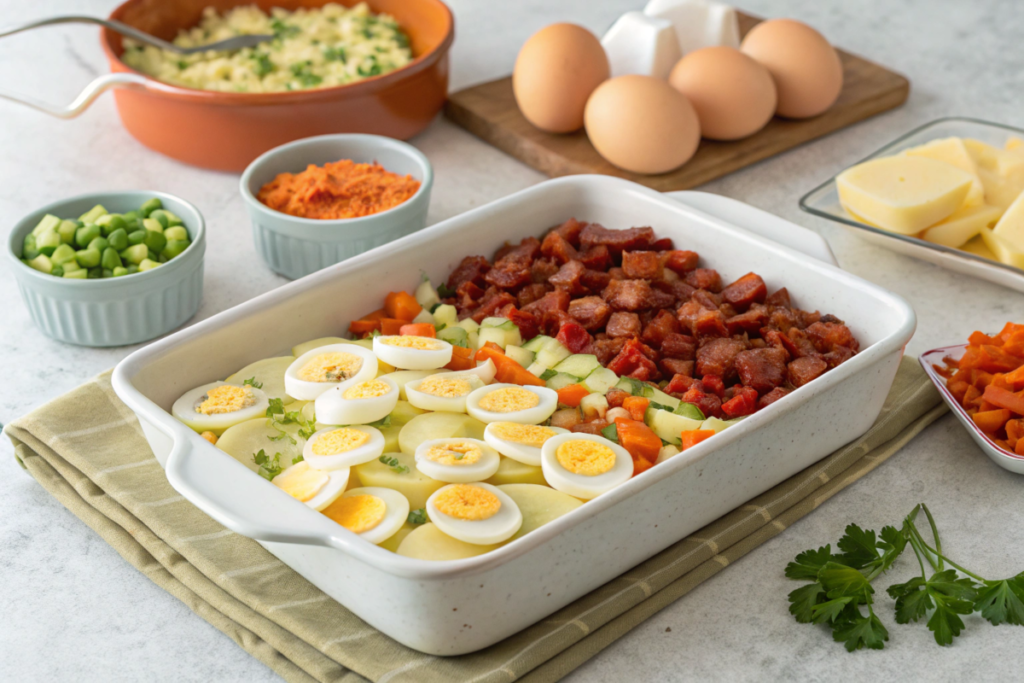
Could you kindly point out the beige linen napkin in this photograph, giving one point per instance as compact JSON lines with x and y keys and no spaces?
{"x":87,"y":450}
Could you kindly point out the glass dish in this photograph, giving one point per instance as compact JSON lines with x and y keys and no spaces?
{"x":823,"y":201}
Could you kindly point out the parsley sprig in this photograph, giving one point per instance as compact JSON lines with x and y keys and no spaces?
{"x":394,"y":463}
{"x":418,"y":516}
{"x":841,"y":586}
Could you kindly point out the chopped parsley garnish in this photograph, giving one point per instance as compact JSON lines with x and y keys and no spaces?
{"x":263,"y":64}
{"x":382,"y":423}
{"x":182,"y":64}
{"x":302,"y":72}
{"x":394,"y":463}
{"x":372,"y":70}
{"x":283,"y":30}
{"x":297,"y":459}
{"x":611,"y":433}
{"x":548,"y":374}
{"x":335,"y":54}
{"x":418,"y":516}
{"x":269,"y":467}
{"x":251,"y":382}
{"x":444,"y":291}
{"x":276,"y":407}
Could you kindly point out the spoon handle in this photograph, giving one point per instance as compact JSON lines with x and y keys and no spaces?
{"x":123,"y":29}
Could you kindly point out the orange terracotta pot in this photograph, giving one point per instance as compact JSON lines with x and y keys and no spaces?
{"x":226,"y":131}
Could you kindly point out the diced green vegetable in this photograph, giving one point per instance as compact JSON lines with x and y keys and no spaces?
{"x":579,"y":364}
{"x":690,"y":411}
{"x":495,"y":335}
{"x":537,"y":343}
{"x":150,"y":206}
{"x":659,"y":396}
{"x":426,"y":295}
{"x":118,"y":239}
{"x":135,"y":254}
{"x":95,"y":273}
{"x":86,"y":234}
{"x":62,"y":255}
{"x":67,"y":230}
{"x":600,"y":380}
{"x":147,"y":264}
{"x":48,"y":242}
{"x":48,"y":223}
{"x":112,"y":222}
{"x":713,"y":423}
{"x":132,"y":268}
{"x":110,"y":259}
{"x":172,"y":219}
{"x":560,"y":380}
{"x":454,"y":335}
{"x":177,"y":233}
{"x":137,"y":237}
{"x":93,"y":214}
{"x":669,"y":426}
{"x":71,"y":266}
{"x":552,"y":353}
{"x":152,"y":225}
{"x":29,"y":248}
{"x":538,"y":370}
{"x":445,"y":314}
{"x":58,"y":271}
{"x":160,"y":217}
{"x":89,"y":258}
{"x":635,"y":387}
{"x":42,"y":263}
{"x":593,"y":406}
{"x":174,"y":247}
{"x":519,"y":355}
{"x":501,"y":323}
{"x":120,"y":271}
{"x":80,"y":274}
{"x":99,"y":244}
{"x":155,"y":241}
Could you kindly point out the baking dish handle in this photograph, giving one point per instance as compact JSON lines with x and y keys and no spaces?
{"x":225,"y":489}
{"x":767,"y":225}
{"x":87,"y":96}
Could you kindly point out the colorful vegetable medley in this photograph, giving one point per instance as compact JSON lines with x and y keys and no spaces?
{"x":516,"y":390}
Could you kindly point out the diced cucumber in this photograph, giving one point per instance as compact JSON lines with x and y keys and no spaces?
{"x":48,"y":242}
{"x":58,"y":271}
{"x":62,"y":254}
{"x":519,"y":355}
{"x":48,"y":223}
{"x":426,"y":295}
{"x":119,"y":272}
{"x":173,"y":220}
{"x":537,"y":369}
{"x":491,"y":334}
{"x":149,"y":206}
{"x":537,"y":343}
{"x":500,"y":323}
{"x":135,"y":253}
{"x":735,"y":420}
{"x":147,"y":265}
{"x":659,"y":396}
{"x":561,"y":380}
{"x":600,"y":380}
{"x":152,"y":225}
{"x":86,"y":234}
{"x":578,"y":364}
{"x":92,"y":214}
{"x":635,"y":387}
{"x":454,"y":335}
{"x":71,"y":266}
{"x":67,"y":230}
{"x":42,"y":263}
{"x":552,"y":353}
{"x":109,"y":259}
{"x":425,"y":316}
{"x":689,"y":410}
{"x":713,"y":423}
{"x":446,"y":314}
{"x":89,"y":258}
{"x":669,"y":426}
{"x":469,"y":325}
{"x":173,"y":248}
{"x":594,"y":405}
{"x":99,"y":244}
{"x":80,"y":274}
{"x":29,"y":248}
{"x":177,"y":233}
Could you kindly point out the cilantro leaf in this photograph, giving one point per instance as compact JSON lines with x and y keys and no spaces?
{"x":858,"y":546}
{"x":418,"y":516}
{"x":1002,"y":602}
{"x":840,"y":580}
{"x":861,"y":632}
{"x":808,"y":563}
{"x":803,"y":600}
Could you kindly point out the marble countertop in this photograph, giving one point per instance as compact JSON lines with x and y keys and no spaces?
{"x":72,"y":609}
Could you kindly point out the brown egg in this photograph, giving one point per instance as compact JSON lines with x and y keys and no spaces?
{"x":555,"y":72}
{"x":642,"y":124}
{"x":807,"y":71}
{"x":734,"y":95}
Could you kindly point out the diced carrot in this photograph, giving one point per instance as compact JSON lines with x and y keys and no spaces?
{"x":695,"y":436}
{"x":1003,"y":398}
{"x":637,"y":406}
{"x":999,"y":380}
{"x":641,"y":465}
{"x":991,"y":421}
{"x":402,"y":305}
{"x":494,"y":347}
{"x":958,"y":389}
{"x":389,"y":326}
{"x":994,"y":359}
{"x":979,"y":338}
{"x":418,"y":330}
{"x":972,"y":395}
{"x":1014,"y":345}
{"x":971,"y":358}
{"x":984,"y":406}
{"x":639,"y":439}
{"x":379,"y":314}
{"x":1019,"y":449}
{"x":1008,"y":330}
{"x":572,"y":394}
{"x":508,"y":370}
{"x":1014,"y":432}
{"x":462,"y":359}
{"x":363,"y":326}
{"x":980,"y":378}
{"x":1015,"y":378}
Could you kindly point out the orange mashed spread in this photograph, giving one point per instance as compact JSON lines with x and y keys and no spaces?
{"x":343,"y":189}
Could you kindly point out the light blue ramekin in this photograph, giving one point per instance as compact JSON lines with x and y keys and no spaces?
{"x":113,"y":311}
{"x":295,"y":247}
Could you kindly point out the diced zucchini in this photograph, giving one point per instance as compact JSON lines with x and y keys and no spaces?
{"x":42,"y":263}
{"x":578,"y":364}
{"x":80,"y":274}
{"x":594,"y":405}
{"x":67,"y":230}
{"x":552,"y":353}
{"x":426,"y":295}
{"x":669,"y":426}
{"x":537,"y":369}
{"x":49,"y":223}
{"x":425,"y":316}
{"x":446,"y":314}
{"x":561,"y":380}
{"x":689,"y":410}
{"x":713,"y":423}
{"x":519,"y":355}
{"x":537,"y":343}
{"x":48,"y":242}
{"x":29,"y":248}
{"x":62,"y":254}
{"x":600,"y":380}
{"x":454,"y":335}
{"x":659,"y":396}
{"x":500,"y":323}
{"x":71,"y":266}
{"x":92,"y":214}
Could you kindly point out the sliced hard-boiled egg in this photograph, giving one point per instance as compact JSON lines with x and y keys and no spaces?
{"x":457,"y":460}
{"x":518,"y":441}
{"x":512,"y":403}
{"x":485,"y":371}
{"x":584,"y":465}
{"x":373,"y":512}
{"x":479,"y":513}
{"x":413,"y":353}
{"x":217,"y":406}
{"x":356,"y":403}
{"x":444,"y":392}
{"x":316,"y":371}
{"x":337,"y":447}
{"x":316,"y":488}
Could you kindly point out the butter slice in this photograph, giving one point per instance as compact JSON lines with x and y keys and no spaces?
{"x":1001,"y":172}
{"x":952,"y":151}
{"x":904,"y":194}
{"x":964,"y":224}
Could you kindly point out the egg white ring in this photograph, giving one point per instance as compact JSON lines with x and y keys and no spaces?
{"x":508,"y":519}
{"x":332,"y":490}
{"x":413,"y":359}
{"x":442,"y":404}
{"x":331,"y":407}
{"x":357,"y":456}
{"x":482,"y":469}
{"x":528,"y":455}
{"x":395,"y":514}
{"x":485,"y":371}
{"x":184,"y":410}
{"x":309,"y":391}
{"x":535,"y":415}
{"x":581,"y":485}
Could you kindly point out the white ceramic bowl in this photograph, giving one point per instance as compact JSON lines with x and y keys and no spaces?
{"x":296,"y":247}
{"x":426,"y":604}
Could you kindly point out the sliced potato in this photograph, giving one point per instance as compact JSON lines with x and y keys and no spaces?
{"x":396,"y":540}
{"x":404,"y":411}
{"x":391,"y":435}
{"x":412,"y":484}
{"x":402,"y":377}
{"x":514,"y":472}
{"x":247,"y":438}
{"x":539,"y":505}
{"x":430,"y":543}
{"x":269,"y":372}
{"x":438,"y":426}
{"x":300,"y":349}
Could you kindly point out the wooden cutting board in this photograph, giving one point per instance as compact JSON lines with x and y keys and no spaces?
{"x":489,"y":111}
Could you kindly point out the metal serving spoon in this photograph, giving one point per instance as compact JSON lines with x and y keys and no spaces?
{"x":236,"y":43}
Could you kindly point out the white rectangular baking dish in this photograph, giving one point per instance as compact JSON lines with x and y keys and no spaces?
{"x":427,"y":605}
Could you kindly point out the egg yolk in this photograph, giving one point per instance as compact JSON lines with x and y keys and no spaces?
{"x":527,"y":435}
{"x":469,"y":503}
{"x":461,"y":453}
{"x":445,"y":387}
{"x":225,"y":399}
{"x":509,"y":400}
{"x":339,"y":441}
{"x":301,"y":481}
{"x":411,"y":342}
{"x":371,"y":389}
{"x":336,"y":366}
{"x":357,"y":513}
{"x":585,"y":457}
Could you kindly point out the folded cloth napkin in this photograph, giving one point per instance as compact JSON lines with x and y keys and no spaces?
{"x":86,"y":448}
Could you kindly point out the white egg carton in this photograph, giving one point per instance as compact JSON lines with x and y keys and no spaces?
{"x":428,"y":605}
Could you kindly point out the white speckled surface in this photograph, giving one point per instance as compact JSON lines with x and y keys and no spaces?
{"x":72,"y":609}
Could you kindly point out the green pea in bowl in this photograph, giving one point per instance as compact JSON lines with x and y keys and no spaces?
{"x":111,"y":268}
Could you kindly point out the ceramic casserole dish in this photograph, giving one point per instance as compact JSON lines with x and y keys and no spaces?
{"x":426,"y":605}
